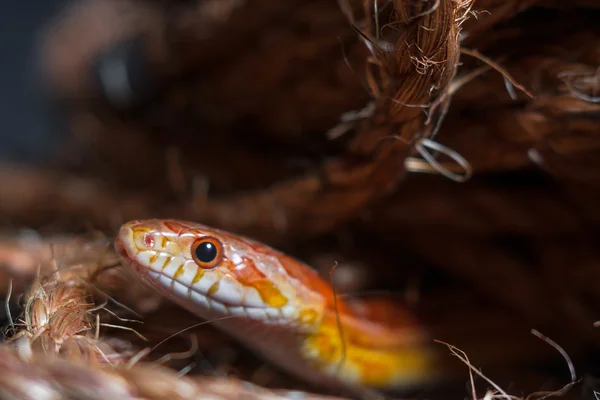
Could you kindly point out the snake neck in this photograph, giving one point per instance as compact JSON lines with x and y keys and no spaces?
{"x":363,"y":353}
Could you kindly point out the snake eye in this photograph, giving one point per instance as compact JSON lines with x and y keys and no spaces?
{"x":207,"y":252}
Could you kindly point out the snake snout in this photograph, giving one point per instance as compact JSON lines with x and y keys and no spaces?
{"x":124,"y":242}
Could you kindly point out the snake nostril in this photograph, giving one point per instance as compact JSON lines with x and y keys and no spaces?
{"x":149,"y":240}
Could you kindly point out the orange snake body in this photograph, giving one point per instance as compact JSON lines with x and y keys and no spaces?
{"x":282,"y":308}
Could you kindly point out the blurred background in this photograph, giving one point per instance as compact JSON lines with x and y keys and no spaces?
{"x":444,"y":153}
{"x":31,"y":131}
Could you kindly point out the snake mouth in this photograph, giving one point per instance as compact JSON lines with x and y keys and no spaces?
{"x":204,"y":304}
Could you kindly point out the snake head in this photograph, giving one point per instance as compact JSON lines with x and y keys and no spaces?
{"x":213,"y":271}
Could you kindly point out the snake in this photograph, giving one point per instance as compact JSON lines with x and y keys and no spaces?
{"x":278,"y":306}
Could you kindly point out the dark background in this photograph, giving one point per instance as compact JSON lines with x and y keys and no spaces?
{"x":30,"y":127}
